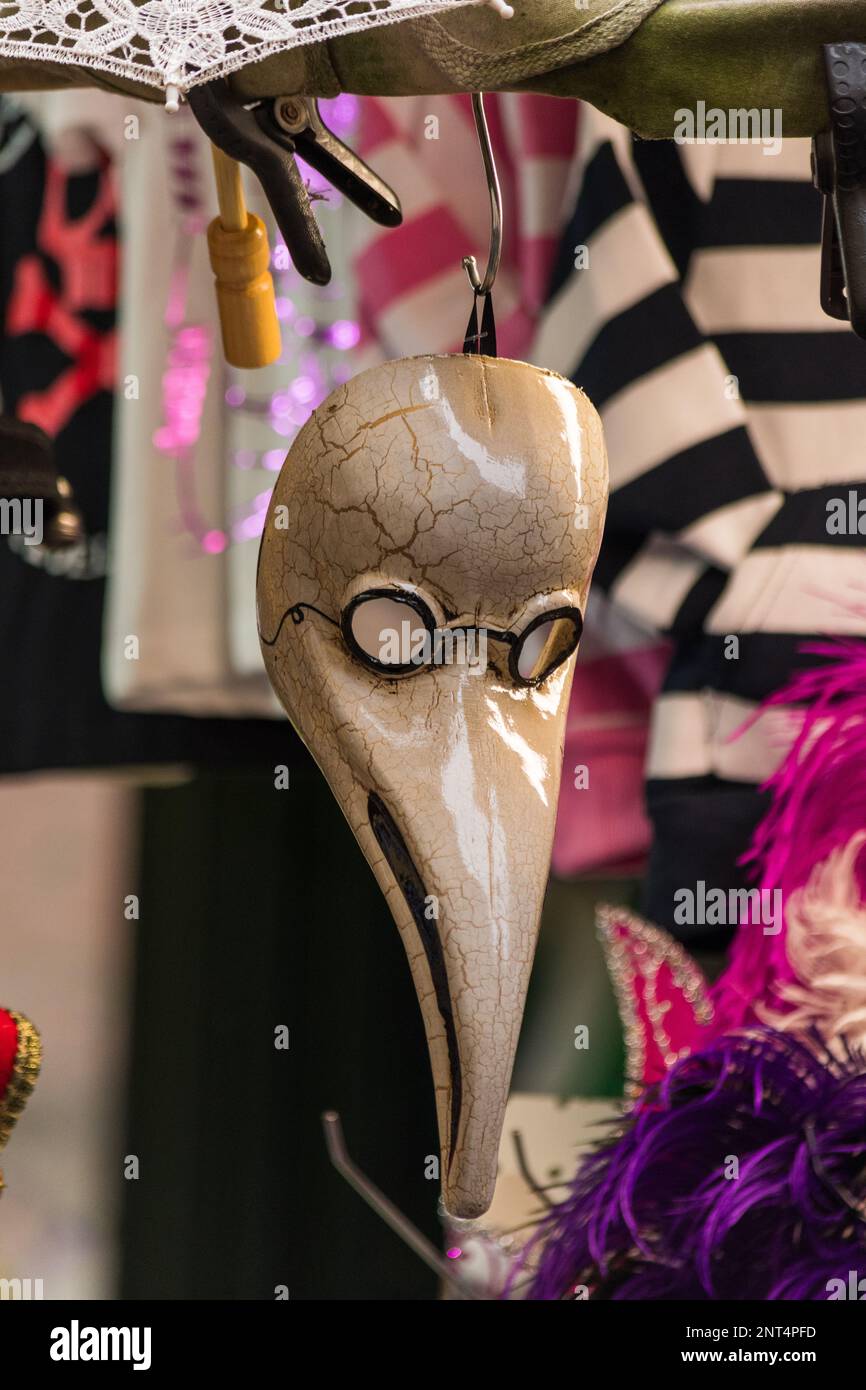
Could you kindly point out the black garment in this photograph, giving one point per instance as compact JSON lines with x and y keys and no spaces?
{"x":258,"y":911}
{"x":757,"y":475}
{"x":52,"y":710}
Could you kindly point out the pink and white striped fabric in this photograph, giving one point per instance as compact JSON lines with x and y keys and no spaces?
{"x":414,"y":294}
{"x":601,"y":823}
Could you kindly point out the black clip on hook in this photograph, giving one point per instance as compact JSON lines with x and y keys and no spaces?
{"x":481,"y":337}
{"x":839,"y":173}
{"x":266,"y":137}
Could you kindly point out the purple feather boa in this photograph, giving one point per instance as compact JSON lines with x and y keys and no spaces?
{"x":652,"y":1214}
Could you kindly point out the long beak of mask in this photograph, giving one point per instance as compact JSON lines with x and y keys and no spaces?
{"x":423,"y":574}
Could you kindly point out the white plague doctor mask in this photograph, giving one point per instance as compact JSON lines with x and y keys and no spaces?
{"x":423,"y":576}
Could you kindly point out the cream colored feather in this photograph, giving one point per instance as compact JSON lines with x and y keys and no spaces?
{"x":826,"y":945}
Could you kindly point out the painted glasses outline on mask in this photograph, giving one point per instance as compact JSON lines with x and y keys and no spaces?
{"x":547,"y":641}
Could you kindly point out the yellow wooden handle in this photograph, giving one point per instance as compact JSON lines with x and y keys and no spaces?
{"x":239,"y":255}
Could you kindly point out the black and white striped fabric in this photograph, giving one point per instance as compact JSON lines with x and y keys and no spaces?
{"x":685,"y":303}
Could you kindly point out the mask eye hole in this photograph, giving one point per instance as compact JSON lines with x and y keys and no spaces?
{"x":389,"y":630}
{"x":547,"y":642}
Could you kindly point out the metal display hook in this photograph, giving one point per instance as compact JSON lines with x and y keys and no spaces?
{"x":383,"y":1207}
{"x":480,"y":337}
{"x":470,"y":265}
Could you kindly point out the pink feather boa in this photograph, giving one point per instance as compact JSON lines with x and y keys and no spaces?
{"x":818,"y":811}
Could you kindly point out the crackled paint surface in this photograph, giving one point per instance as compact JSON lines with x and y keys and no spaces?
{"x":481,"y":485}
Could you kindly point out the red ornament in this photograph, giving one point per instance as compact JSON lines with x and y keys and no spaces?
{"x":20,"y":1059}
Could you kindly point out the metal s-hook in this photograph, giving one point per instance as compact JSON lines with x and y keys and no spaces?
{"x":470,"y":265}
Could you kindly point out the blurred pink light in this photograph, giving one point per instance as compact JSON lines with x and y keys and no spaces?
{"x":344,"y":334}
{"x":249,"y":528}
{"x":340,"y":113}
{"x":214,"y":542}
{"x":303,"y":388}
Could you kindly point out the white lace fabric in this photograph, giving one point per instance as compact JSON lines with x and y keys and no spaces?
{"x":179,"y":43}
